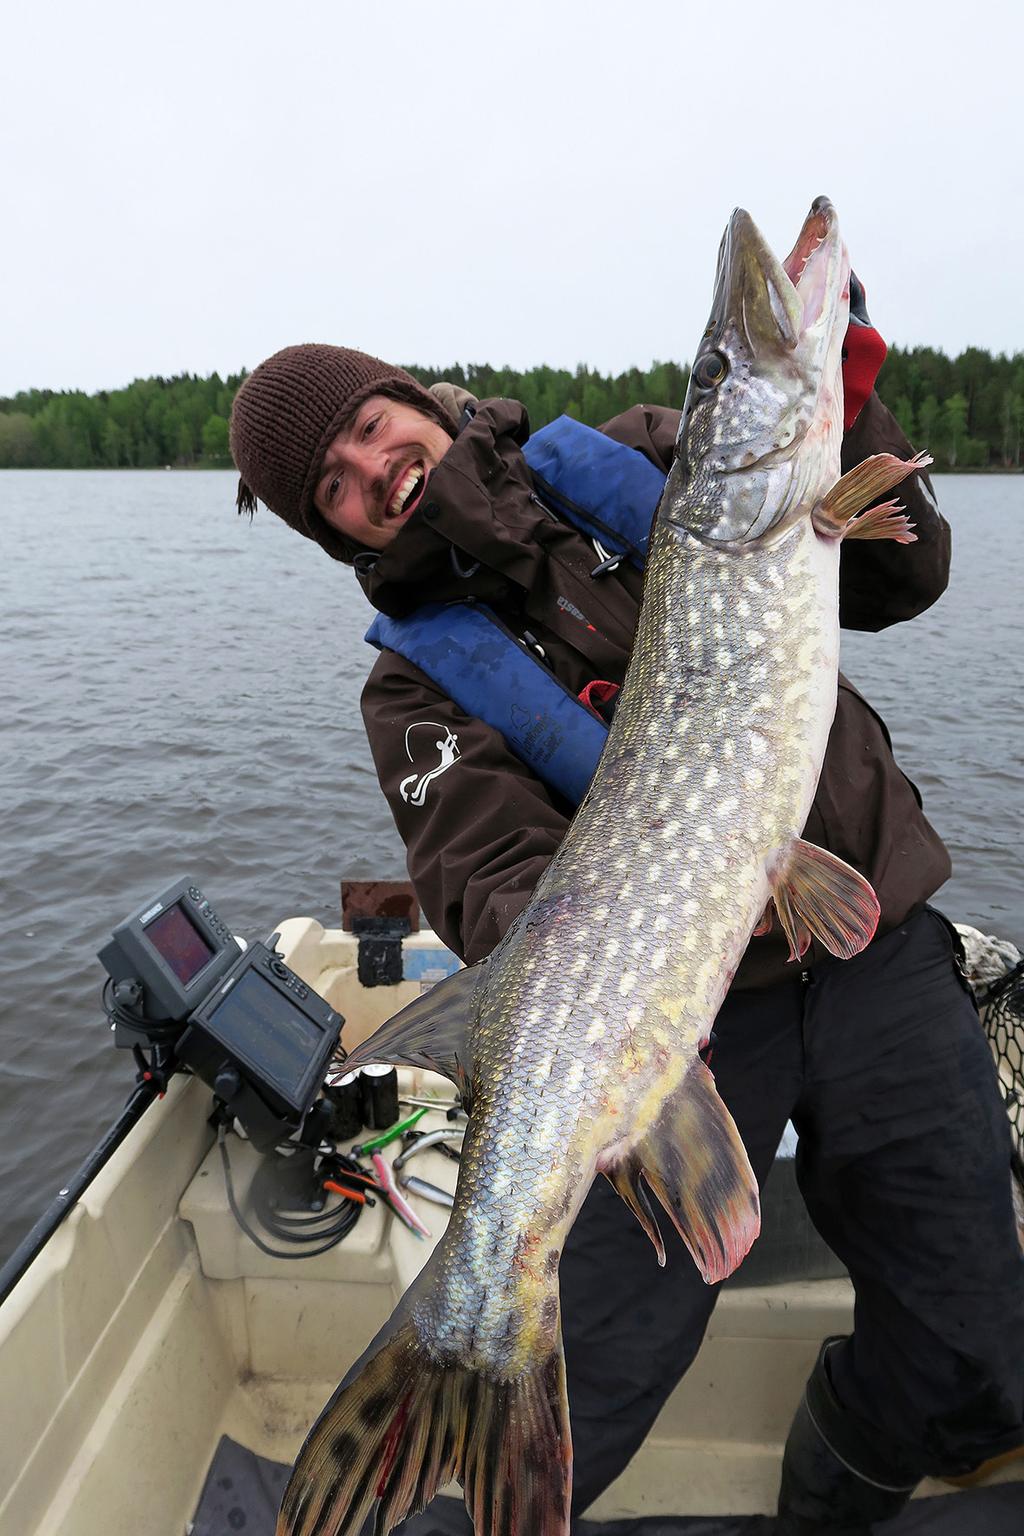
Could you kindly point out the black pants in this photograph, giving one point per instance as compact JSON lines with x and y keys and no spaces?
{"x":904,"y":1162}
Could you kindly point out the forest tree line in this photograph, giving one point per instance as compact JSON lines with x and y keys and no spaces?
{"x":968,"y":411}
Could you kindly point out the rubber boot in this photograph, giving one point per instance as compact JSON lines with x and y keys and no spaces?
{"x":833,"y":1479}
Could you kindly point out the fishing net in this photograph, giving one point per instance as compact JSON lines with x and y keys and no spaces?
{"x":1002,"y":1013}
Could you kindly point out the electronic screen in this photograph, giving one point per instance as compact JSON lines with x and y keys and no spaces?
{"x":260,"y":1026}
{"x":179,"y":943}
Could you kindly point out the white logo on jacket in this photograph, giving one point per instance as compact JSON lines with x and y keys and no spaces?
{"x":414,"y":788}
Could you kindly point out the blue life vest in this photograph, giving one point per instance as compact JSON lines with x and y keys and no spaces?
{"x":607,"y":491}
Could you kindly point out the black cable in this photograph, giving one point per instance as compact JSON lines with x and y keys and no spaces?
{"x":343,"y":1220}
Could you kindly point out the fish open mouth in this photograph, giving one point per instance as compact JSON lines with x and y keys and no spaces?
{"x":810,"y":264}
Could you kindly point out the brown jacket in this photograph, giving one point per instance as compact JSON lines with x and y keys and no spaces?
{"x":486,"y":827}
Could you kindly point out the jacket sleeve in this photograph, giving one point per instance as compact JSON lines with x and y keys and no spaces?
{"x":880,"y":582}
{"x":478,"y":834}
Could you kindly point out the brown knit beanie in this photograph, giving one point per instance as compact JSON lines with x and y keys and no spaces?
{"x":288,"y":412}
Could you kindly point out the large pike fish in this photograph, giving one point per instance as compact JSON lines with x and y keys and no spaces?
{"x":577,"y":1042}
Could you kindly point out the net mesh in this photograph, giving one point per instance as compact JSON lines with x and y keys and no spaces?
{"x":1003,"y":1018}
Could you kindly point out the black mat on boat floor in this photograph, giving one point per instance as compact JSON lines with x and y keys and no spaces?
{"x":243,"y":1491}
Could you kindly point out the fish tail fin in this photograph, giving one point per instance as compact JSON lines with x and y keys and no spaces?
{"x":406,"y":1421}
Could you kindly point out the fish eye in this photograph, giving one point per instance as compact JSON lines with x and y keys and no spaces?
{"x":710,"y":370}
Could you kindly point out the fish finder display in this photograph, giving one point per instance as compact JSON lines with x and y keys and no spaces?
{"x":182,"y":988}
{"x":257,"y":1024}
{"x":178,"y":941}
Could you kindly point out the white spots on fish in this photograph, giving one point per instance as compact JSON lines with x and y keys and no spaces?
{"x":758,"y":745}
{"x":728,"y":750}
{"x":658,"y":959}
{"x":771,"y":620}
{"x":627,"y":983}
{"x":660,"y":924}
{"x":670,"y":830}
{"x":597,"y":1031}
{"x":705,"y":833}
{"x":601,"y":914}
{"x":743,"y":608}
{"x":753,"y":639}
{"x":575,"y":1075}
{"x":723,"y":658}
{"x":591,"y":996}
{"x":635,"y":919}
{"x":728,"y":806}
{"x":634,"y":1016}
{"x":711,"y":777}
{"x":612,"y":948}
{"x":753,"y":777}
{"x":681,"y":774}
{"x":716,"y":602}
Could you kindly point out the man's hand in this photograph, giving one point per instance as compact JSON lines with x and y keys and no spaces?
{"x":454,"y":398}
{"x":863,"y":355}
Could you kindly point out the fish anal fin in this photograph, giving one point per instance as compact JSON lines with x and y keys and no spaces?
{"x":624,"y":1177}
{"x":432,"y":1031}
{"x":858,"y":488}
{"x":696,"y":1164}
{"x":819,"y":896}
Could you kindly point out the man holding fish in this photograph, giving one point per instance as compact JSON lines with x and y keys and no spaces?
{"x":748,"y":856}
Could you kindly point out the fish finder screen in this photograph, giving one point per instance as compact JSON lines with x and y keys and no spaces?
{"x":179,"y":943}
{"x":261,"y":1026}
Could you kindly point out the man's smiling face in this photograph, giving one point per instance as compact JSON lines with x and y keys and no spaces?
{"x":375,"y":472}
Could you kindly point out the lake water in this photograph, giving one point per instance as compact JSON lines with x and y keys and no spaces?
{"x":179,"y":696}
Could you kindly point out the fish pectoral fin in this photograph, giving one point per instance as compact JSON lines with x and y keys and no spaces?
{"x":432,"y":1031}
{"x":624,"y":1177}
{"x":697,"y":1166}
{"x":836,"y":513}
{"x":817,"y":895}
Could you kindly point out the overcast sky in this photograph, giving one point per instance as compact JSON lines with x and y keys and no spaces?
{"x":189,"y":186}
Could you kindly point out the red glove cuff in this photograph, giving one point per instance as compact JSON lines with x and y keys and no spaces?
{"x":864,"y":353}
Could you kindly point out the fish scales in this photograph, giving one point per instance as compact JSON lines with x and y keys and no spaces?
{"x":578,"y":1040}
{"x":697,"y":863}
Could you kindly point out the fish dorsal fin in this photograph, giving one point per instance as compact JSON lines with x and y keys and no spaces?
{"x":696,"y":1164}
{"x":432,"y":1031}
{"x":819,"y":896}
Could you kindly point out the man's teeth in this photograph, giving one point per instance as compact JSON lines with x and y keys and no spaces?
{"x":404,"y":491}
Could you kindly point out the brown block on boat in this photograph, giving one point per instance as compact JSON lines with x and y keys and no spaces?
{"x":379,"y":898}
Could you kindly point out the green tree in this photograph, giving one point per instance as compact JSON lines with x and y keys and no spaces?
{"x":954,"y":426}
{"x":215,"y":438}
{"x":18,"y":447}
